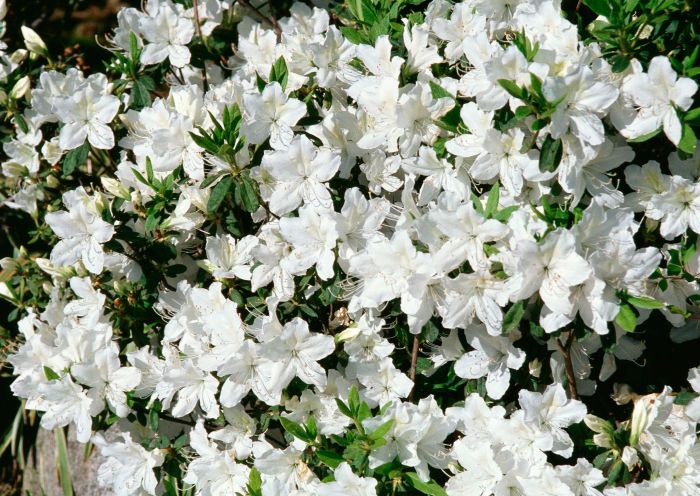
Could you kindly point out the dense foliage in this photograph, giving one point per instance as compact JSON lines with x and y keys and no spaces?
{"x":380,"y":247}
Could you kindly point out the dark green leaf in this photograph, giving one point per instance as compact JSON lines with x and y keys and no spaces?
{"x":512,"y":318}
{"x":600,"y":7}
{"x":218,"y":193}
{"x":279,"y":72}
{"x":330,"y":458}
{"x":140,"y":96}
{"x":294,"y":429}
{"x":550,"y":154}
{"x":75,"y":158}
{"x":248,"y":194}
{"x":512,"y":88}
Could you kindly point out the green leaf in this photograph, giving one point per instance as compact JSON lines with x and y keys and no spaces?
{"x":431,"y":487}
{"x":693,"y":116}
{"x":330,"y":458}
{"x":626,"y":318}
{"x":153,"y":420}
{"x":536,"y":84}
{"x":75,"y":158}
{"x":353,"y":400}
{"x":512,"y":318}
{"x":438,"y":91}
{"x":492,"y":201}
{"x":249,"y":195}
{"x":645,"y":137}
{"x":512,"y":88}
{"x":685,"y":397}
{"x":344,"y":409}
{"x":645,"y":302}
{"x":600,"y":7}
{"x":294,"y":429}
{"x":19,"y":119}
{"x":218,"y":193}
{"x":140,"y":96}
{"x":50,"y":374}
{"x":279,"y":72}
{"x":63,"y":462}
{"x":134,"y":48}
{"x":619,"y":63}
{"x":504,"y":214}
{"x":688,"y":140}
{"x":254,"y":483}
{"x":211,"y":179}
{"x":151,"y":223}
{"x":381,"y":431}
{"x":353,"y":35}
{"x":550,"y":154}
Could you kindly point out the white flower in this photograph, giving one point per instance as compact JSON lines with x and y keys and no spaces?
{"x":583,"y":102}
{"x":301,"y":172}
{"x":313,"y":235}
{"x":81,"y":230}
{"x":492,"y":357}
{"x":86,"y":114}
{"x":298,"y":351}
{"x":249,"y":370}
{"x":128,"y":468}
{"x":228,"y":258}
{"x":167,"y":32}
{"x":551,"y":411}
{"x":63,"y":402}
{"x":108,"y":380}
{"x":678,"y":207}
{"x":271,"y":114}
{"x":348,"y":484}
{"x":552,"y":267}
{"x":657,"y":94}
{"x":501,"y":157}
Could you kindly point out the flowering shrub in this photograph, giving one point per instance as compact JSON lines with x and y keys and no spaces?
{"x":394,"y":247}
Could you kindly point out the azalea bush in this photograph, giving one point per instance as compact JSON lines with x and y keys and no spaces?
{"x":377,"y":247}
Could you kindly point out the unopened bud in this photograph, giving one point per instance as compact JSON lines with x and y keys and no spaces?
{"x":33,"y":41}
{"x":21,"y":88}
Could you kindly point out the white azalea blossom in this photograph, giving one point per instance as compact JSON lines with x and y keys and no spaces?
{"x":435,"y":247}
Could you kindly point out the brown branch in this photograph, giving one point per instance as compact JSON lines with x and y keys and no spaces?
{"x":199,"y":33}
{"x":414,"y":361}
{"x":269,"y":19}
{"x":566,"y":353}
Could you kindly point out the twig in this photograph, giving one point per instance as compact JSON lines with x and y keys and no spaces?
{"x":199,"y":33}
{"x":566,"y":353}
{"x":270,"y":20}
{"x":414,"y":361}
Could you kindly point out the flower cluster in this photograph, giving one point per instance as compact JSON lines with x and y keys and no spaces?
{"x":373,"y":251}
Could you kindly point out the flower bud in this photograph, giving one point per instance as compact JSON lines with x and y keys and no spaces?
{"x":33,"y":41}
{"x":19,"y":56}
{"x":6,"y":292}
{"x":115,"y":187}
{"x":21,"y":88}
{"x":52,"y":181}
